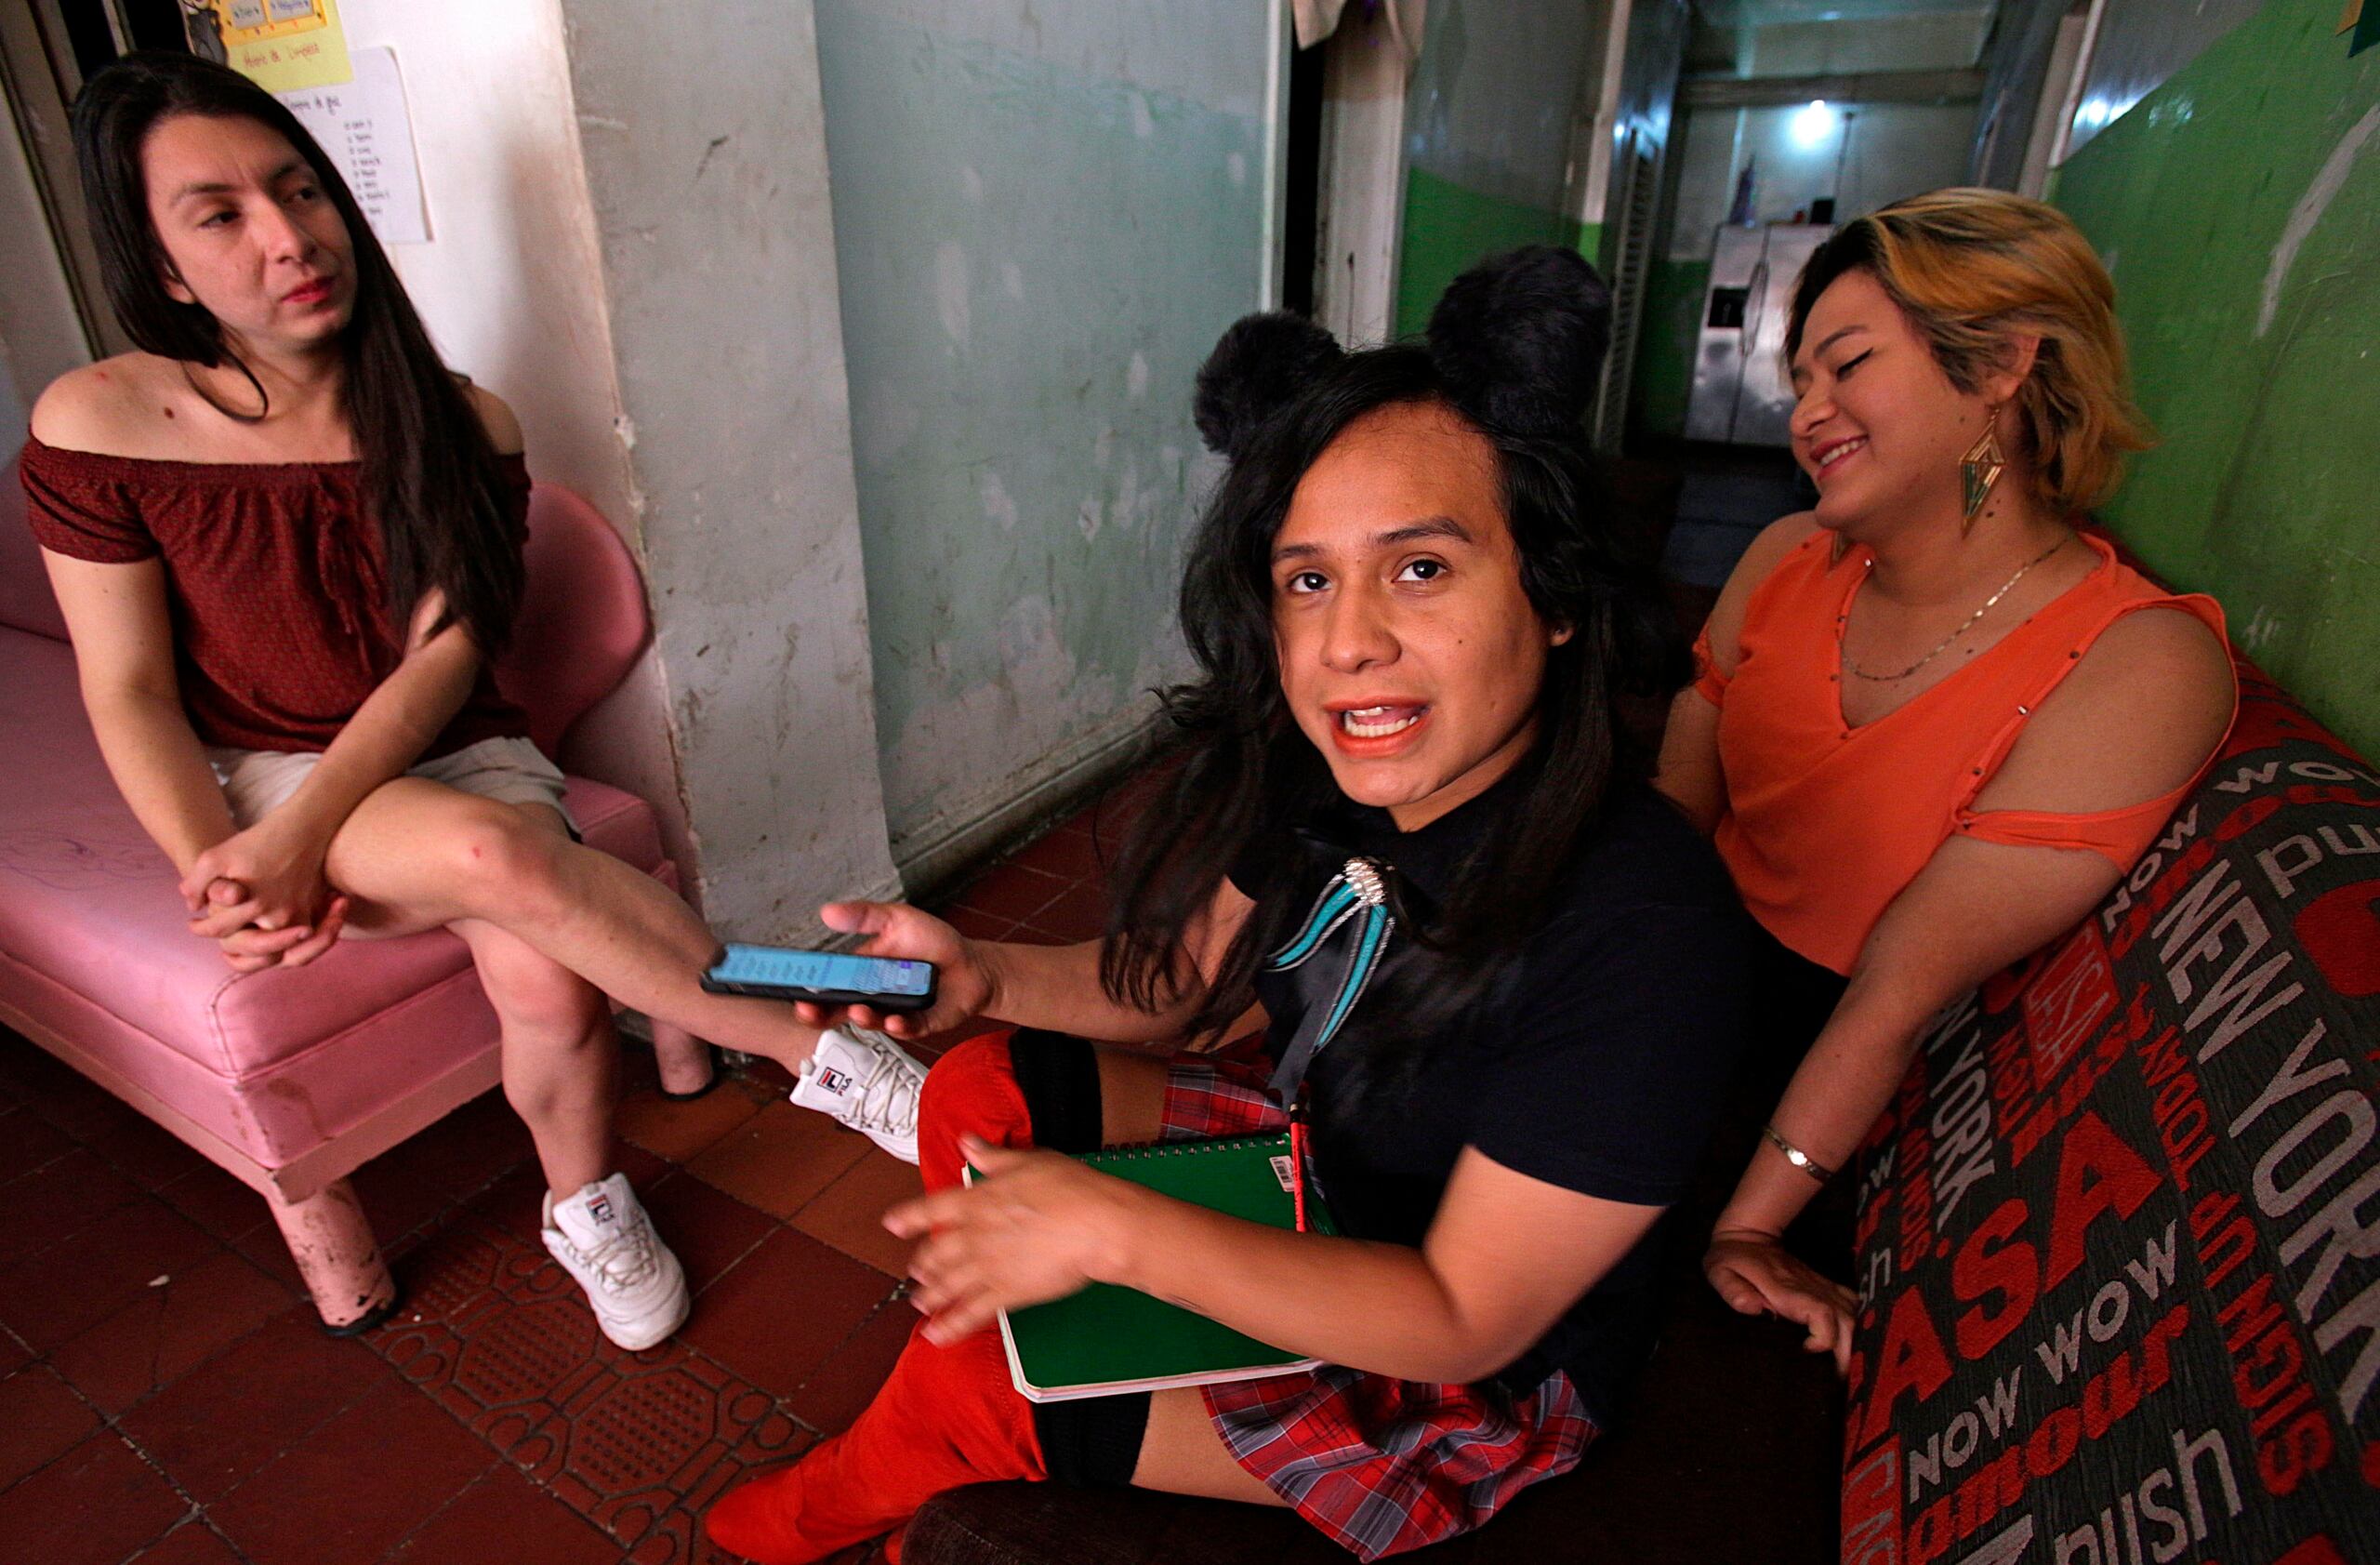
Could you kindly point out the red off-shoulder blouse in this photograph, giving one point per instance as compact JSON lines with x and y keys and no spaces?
{"x":274,"y":578}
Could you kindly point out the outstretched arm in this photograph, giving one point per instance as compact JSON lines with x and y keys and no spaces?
{"x":1055,"y":987}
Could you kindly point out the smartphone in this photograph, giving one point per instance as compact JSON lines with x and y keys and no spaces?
{"x":824,"y":977}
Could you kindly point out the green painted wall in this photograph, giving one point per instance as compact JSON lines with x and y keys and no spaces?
{"x":1665,"y":344}
{"x":2238,"y":208}
{"x":1449,"y":228}
{"x":1040,"y":232}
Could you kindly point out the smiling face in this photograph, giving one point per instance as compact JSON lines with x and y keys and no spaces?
{"x":1410,"y":654}
{"x":248,"y":233}
{"x":1877,"y":425}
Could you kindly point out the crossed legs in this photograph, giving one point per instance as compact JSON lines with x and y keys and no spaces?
{"x":416,"y":854}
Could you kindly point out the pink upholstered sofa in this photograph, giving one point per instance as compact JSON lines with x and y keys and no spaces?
{"x":288,"y":1080}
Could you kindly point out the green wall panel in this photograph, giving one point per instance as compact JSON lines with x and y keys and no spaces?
{"x":2238,"y":208}
{"x":1665,"y":345}
{"x":1450,"y":227}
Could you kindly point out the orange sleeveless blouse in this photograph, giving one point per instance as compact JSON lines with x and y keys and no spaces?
{"x":1827,"y":822}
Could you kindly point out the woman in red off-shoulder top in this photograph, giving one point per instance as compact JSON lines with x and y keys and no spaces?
{"x":286,"y":540}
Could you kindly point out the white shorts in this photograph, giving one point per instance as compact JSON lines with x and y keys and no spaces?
{"x":513,"y":771}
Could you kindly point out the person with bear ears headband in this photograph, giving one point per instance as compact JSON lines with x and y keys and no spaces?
{"x":1935,"y":720}
{"x":1412,"y":618}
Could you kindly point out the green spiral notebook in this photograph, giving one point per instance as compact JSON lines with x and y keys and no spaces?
{"x":1105,"y":1339}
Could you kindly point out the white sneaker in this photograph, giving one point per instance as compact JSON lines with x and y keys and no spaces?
{"x":602,"y":1238}
{"x":867,"y":1081}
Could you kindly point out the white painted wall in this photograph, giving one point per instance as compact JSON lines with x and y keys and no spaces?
{"x":511,"y":285}
{"x":704,"y":152}
{"x":1893,"y":150}
{"x":41,"y":336}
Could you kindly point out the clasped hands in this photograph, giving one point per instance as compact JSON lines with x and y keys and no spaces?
{"x":1036,"y":1226}
{"x":261,"y":896}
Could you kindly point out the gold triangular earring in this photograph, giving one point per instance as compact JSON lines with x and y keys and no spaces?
{"x":1980,"y":468}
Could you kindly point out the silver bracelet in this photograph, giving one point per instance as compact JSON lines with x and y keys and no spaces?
{"x":1798,"y":1158}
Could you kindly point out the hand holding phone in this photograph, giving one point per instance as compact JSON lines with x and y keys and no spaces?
{"x":821,"y":977}
{"x":962,"y":986}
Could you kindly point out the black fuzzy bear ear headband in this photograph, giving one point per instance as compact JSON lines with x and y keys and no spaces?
{"x":1519,"y":340}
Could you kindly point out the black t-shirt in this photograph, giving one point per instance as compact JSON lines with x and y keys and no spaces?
{"x":1593,"y":1061}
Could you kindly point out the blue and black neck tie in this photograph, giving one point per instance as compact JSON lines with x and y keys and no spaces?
{"x":1356,"y":900}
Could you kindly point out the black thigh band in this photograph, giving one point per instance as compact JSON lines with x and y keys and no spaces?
{"x":1059,"y":1075}
{"x":1094,"y":1443}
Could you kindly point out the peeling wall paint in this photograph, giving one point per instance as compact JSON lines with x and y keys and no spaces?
{"x":1044,"y":215}
{"x":705,"y":156}
{"x":2237,"y":206}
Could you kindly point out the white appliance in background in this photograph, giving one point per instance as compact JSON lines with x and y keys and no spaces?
{"x":1740,"y":396}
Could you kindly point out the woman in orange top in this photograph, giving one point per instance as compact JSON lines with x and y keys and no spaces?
{"x":1935,"y":722}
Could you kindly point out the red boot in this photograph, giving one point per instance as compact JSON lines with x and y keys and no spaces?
{"x":946,"y":1416}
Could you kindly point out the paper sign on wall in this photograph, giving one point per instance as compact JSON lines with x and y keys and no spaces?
{"x":283,"y":46}
{"x":363,"y":127}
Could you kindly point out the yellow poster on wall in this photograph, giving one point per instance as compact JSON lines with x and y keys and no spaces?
{"x":283,"y":46}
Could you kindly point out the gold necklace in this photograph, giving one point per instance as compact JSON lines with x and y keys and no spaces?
{"x":1858,"y":672}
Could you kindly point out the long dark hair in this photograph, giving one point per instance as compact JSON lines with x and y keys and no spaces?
{"x":430,"y":478}
{"x":1242,"y":763}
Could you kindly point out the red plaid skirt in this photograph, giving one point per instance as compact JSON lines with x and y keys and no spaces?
{"x":1382,"y":1465}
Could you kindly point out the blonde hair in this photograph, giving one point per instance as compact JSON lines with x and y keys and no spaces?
{"x":1970,"y":269}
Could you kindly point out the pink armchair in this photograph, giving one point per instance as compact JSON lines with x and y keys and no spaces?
{"x":289,"y":1081}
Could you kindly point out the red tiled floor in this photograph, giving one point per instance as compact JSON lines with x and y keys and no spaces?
{"x":503,"y":1516}
{"x":680,"y":1131}
{"x":466,"y":1150}
{"x":55,"y":1292}
{"x":849,"y":1376}
{"x":193,"y":1542}
{"x":1012,"y":891}
{"x":131,"y":1141}
{"x":99,"y":1502}
{"x":849,"y":1214}
{"x":27,"y":1141}
{"x":166,"y":1331}
{"x":779,"y":1158}
{"x":975,"y":925}
{"x":1071,"y":855}
{"x":216,"y":1201}
{"x":782,"y":1309}
{"x":41,"y":1418}
{"x":352,"y":1490}
{"x":709,"y":1230}
{"x":60,"y":1200}
{"x":1080,"y":913}
{"x":243,"y":1407}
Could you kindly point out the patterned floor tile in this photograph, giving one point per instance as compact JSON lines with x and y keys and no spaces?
{"x":635,"y":1443}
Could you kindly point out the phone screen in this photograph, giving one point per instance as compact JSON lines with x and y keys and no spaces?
{"x":824,"y":971}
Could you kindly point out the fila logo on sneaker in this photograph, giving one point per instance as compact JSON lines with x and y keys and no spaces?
{"x":599,"y":1206}
{"x":834,"y":1080}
